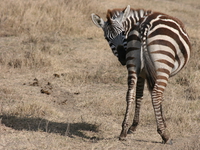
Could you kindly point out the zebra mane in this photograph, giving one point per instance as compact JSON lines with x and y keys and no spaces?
{"x":116,"y":12}
{"x":111,"y":13}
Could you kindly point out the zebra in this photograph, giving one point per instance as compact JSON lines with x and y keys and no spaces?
{"x":153,"y":46}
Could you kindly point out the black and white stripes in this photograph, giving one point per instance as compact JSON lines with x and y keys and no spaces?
{"x":154,"y":46}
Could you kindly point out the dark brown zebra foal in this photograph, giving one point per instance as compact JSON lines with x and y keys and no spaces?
{"x":153,"y":46}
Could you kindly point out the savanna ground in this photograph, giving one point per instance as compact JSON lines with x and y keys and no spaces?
{"x":62,"y":88}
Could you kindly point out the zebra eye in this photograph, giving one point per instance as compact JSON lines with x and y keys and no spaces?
{"x":114,"y":17}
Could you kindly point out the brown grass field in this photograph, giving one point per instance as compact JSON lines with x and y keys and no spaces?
{"x":62,"y":88}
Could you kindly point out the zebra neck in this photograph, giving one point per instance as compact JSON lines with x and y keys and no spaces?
{"x":135,"y":18}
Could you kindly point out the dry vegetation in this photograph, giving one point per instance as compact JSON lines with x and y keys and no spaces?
{"x":62,"y":88}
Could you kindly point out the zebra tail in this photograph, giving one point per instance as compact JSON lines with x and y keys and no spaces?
{"x":147,"y":61}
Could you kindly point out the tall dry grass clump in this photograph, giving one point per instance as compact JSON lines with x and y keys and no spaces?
{"x":45,"y":16}
{"x":37,"y":27}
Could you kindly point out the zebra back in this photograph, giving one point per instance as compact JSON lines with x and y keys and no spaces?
{"x":159,"y":29}
{"x":166,"y":26}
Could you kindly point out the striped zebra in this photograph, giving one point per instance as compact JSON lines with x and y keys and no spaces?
{"x":153,"y":46}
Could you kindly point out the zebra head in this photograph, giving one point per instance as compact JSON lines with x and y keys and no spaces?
{"x":114,"y":31}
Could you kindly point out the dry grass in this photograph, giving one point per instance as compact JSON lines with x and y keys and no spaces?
{"x":62,"y":88}
{"x":45,"y":17}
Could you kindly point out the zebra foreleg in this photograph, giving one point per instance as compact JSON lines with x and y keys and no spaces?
{"x":129,"y":99}
{"x":125,"y":125}
{"x":139,"y":97}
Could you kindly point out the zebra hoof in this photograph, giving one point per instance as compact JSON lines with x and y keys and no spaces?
{"x":123,"y":135}
{"x":122,"y":138}
{"x":169,"y":142}
{"x":165,"y":137}
{"x":131,"y":130}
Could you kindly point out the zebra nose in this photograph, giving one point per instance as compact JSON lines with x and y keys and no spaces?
{"x":121,"y":54}
{"x":120,"y":49}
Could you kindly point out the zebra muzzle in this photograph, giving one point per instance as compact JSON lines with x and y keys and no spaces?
{"x":121,"y":54}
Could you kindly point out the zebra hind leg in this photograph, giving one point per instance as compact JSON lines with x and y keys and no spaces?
{"x":157,"y":97}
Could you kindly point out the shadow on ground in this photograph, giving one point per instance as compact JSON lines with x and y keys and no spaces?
{"x":39,"y":124}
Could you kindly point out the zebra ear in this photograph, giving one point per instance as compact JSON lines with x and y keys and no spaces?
{"x":126,"y":13}
{"x":98,"y":21}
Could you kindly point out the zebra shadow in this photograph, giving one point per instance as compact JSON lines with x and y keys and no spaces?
{"x":39,"y":124}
